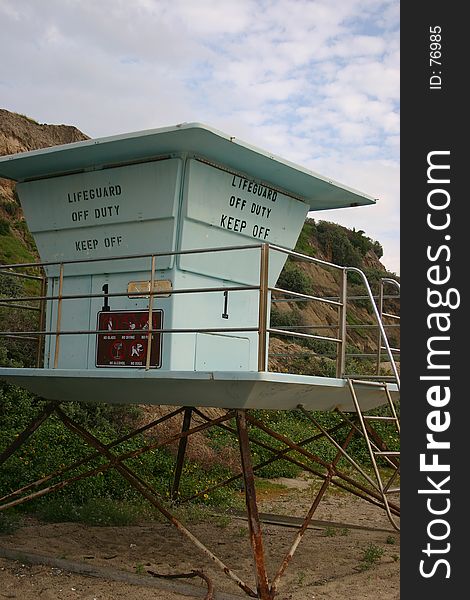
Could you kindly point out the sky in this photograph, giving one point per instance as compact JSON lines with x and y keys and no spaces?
{"x":313,"y":81}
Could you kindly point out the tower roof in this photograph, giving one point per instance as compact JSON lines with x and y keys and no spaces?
{"x":192,"y":139}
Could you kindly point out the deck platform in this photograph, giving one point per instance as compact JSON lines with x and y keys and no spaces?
{"x":236,"y":389}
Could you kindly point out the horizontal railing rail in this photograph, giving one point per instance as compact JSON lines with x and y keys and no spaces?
{"x":137,"y":294}
{"x":343,"y":326}
{"x":130,"y":256}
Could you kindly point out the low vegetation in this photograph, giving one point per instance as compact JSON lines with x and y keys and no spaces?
{"x":371,"y":555}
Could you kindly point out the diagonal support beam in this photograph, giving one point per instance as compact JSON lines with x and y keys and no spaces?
{"x":86,"y":459}
{"x":350,"y":485}
{"x":150,"y":495}
{"x":27,"y":433}
{"x":181,"y":454}
{"x":288,"y":557}
{"x":121,"y":457}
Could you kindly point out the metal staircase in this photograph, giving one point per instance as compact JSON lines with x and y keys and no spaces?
{"x":376,"y":445}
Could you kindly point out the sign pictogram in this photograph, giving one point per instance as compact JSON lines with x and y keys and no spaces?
{"x":128,"y":349}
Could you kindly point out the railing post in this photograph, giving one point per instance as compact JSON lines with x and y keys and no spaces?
{"x":343,"y":298}
{"x":59,"y":316}
{"x":42,"y":321}
{"x":379,"y":335}
{"x":150,"y":317}
{"x":263,"y":307}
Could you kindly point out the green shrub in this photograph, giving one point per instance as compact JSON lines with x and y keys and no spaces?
{"x":11,"y":208}
{"x":53,"y":446}
{"x":21,"y":226}
{"x":22,"y":352}
{"x":13,"y":250}
{"x":371,"y":555}
{"x":4,"y":227}
{"x":378,"y":250}
{"x":294,"y":279}
{"x":321,"y":347}
{"x":355,"y":279}
{"x":335,"y":242}
{"x":94,"y":511}
{"x":285,"y":319}
{"x":305,"y":243}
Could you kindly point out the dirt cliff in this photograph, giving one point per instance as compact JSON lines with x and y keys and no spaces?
{"x":19,"y":133}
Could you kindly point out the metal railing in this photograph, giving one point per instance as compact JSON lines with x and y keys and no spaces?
{"x":266,"y":294}
{"x":341,"y":301}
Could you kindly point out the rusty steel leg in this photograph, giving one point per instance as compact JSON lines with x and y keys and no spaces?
{"x":264,"y":592}
{"x":26,"y":433}
{"x":288,"y":557}
{"x":181,"y":453}
{"x":149,"y":494}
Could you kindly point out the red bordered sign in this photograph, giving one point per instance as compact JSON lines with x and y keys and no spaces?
{"x":128,"y":349}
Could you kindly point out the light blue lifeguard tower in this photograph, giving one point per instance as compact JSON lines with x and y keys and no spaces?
{"x":188,"y":209}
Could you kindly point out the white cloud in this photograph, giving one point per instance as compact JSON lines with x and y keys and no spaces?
{"x":310,"y":80}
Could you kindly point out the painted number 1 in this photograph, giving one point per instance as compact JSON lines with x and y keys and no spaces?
{"x":225,"y":313}
{"x":106,"y":306}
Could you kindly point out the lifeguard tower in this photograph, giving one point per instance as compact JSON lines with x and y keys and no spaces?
{"x":161,"y":251}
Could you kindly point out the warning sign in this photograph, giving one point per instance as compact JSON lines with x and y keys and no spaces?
{"x":128,"y":349}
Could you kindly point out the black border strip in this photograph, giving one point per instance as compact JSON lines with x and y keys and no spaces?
{"x":432,"y":132}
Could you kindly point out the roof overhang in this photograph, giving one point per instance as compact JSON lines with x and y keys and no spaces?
{"x":194,"y":139}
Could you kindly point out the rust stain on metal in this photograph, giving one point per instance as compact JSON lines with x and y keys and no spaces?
{"x":193,"y":573}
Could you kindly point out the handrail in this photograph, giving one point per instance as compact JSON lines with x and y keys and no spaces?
{"x":304,"y":296}
{"x":383,"y":281}
{"x":342,"y":307}
{"x":305,"y":257}
{"x":137,"y":294}
{"x":59,"y":332}
{"x":391,"y":281}
{"x":379,"y":321}
{"x":131,"y":256}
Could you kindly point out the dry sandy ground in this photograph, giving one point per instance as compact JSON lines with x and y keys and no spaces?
{"x":328,"y":565}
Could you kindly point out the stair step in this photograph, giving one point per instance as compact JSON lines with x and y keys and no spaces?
{"x":377,"y":418}
{"x":392,"y":491}
{"x":377,"y":380}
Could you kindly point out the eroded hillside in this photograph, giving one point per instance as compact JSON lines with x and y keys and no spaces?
{"x":19,"y":133}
